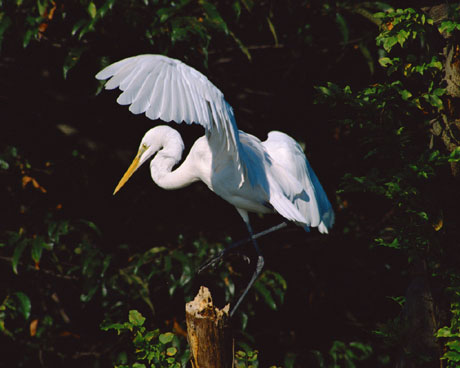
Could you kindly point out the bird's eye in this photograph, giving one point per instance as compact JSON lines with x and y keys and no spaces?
{"x":144,"y":146}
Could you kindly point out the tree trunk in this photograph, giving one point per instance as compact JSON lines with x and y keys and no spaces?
{"x":207,"y":332}
{"x":447,"y":127}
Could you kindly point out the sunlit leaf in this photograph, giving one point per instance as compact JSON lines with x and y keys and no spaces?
{"x":138,"y":365}
{"x":113,"y":326}
{"x":446,"y":332}
{"x":92,"y":11}
{"x":166,"y":337}
{"x":171,"y":351}
{"x":136,"y":318}
{"x":41,"y":6}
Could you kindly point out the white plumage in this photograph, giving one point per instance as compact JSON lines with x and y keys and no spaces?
{"x":252,"y":175}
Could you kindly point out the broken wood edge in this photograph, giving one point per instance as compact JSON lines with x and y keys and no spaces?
{"x":208,"y":333}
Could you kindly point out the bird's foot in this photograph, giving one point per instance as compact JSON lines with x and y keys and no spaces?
{"x":245,"y":258}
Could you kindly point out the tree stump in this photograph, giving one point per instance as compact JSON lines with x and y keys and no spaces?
{"x":207,"y":332}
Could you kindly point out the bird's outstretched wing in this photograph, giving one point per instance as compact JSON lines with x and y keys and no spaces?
{"x":312,"y":202}
{"x":170,"y":90}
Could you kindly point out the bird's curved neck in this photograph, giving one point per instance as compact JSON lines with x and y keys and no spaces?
{"x":169,"y":154}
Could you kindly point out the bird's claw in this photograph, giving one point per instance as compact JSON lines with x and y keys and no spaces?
{"x":246,"y":259}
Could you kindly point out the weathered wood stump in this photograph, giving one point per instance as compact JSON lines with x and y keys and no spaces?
{"x":207,"y":332}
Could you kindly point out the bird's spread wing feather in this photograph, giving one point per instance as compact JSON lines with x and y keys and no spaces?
{"x":311,"y":200}
{"x":167,"y":89}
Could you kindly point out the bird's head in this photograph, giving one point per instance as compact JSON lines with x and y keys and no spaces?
{"x":157,"y":138}
{"x":147,"y":148}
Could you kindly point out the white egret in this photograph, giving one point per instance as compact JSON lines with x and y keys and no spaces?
{"x":254,"y":176}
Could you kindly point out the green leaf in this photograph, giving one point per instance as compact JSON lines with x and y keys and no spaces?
{"x":138,"y":365}
{"x":342,"y":27}
{"x":171,"y":351}
{"x":178,"y":33}
{"x":108,"y":5}
{"x":423,"y":215}
{"x":434,"y":101}
{"x":92,"y":226}
{"x":237,"y":9}
{"x":266,"y":294}
{"x":454,"y":345}
{"x":446,"y":332}
{"x":150,"y":335}
{"x":452,"y":356}
{"x":3,"y":164}
{"x":72,"y":59}
{"x":240,"y":354}
{"x":244,"y":320}
{"x":289,"y":360}
{"x":405,"y":94}
{"x":166,"y":338}
{"x":88,"y":296}
{"x":389,"y":42}
{"x":25,"y":305}
{"x":402,"y":36}
{"x":394,"y":244}
{"x":28,"y":36}
{"x":92,"y":11}
{"x":17,"y":255}
{"x":454,"y":155}
{"x":164,"y":14}
{"x":41,"y":6}
{"x":447,"y":26}
{"x":439,"y":92}
{"x":272,"y":30}
{"x":105,"y":264}
{"x":113,"y":326}
{"x":77,"y":26}
{"x":5,"y":23}
{"x":37,"y":247}
{"x":136,"y":318}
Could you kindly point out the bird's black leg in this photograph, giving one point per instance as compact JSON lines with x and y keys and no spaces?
{"x":234,"y":245}
{"x":257,"y":271}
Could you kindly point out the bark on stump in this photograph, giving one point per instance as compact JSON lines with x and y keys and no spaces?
{"x":207,"y":332}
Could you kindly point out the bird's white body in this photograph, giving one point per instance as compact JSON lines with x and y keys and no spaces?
{"x":254,"y":176}
{"x":218,"y":175}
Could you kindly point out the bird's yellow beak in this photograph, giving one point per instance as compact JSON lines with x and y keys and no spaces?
{"x":131,"y":169}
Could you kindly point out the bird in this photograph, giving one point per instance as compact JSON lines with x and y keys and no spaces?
{"x":271,"y":176}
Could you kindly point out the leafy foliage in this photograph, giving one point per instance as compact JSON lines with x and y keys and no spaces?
{"x":344,"y":355}
{"x":451,"y":335}
{"x":64,"y":254}
{"x":173,"y":26}
{"x":152,"y":348}
{"x":393,"y":120}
